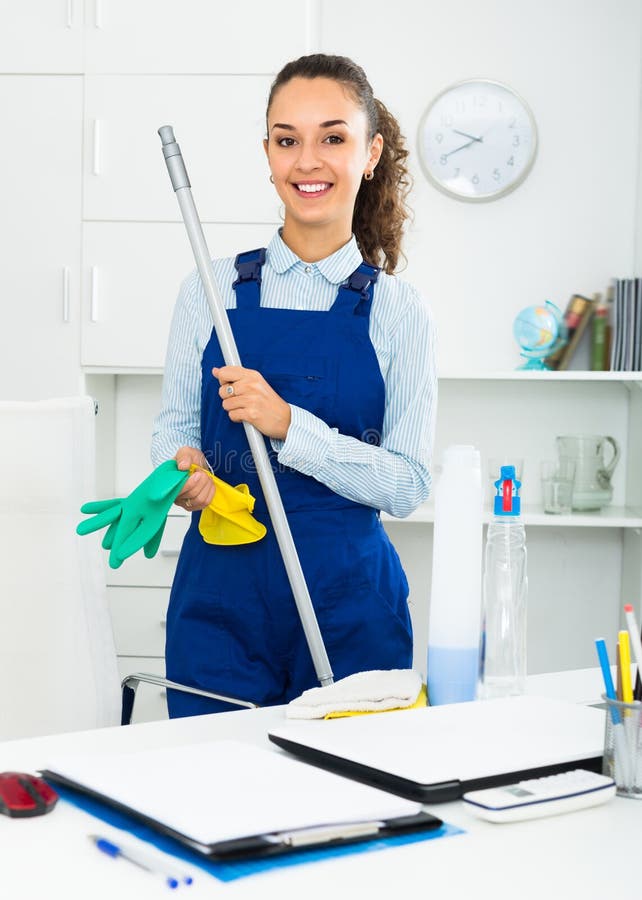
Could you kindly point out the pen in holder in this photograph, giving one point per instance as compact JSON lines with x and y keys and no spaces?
{"x":623,"y":746}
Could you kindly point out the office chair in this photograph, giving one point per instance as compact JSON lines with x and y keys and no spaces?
{"x":58,"y":668}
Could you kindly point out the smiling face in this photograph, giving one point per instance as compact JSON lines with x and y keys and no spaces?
{"x":318,"y":149}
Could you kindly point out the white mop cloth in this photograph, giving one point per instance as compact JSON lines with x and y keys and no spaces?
{"x":373,"y":691}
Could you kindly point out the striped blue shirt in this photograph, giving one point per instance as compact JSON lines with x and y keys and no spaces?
{"x":394,"y":476}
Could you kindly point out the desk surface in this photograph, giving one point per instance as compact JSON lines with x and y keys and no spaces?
{"x":582,"y":854}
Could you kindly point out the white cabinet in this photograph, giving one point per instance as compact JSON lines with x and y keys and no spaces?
{"x":194,"y":36}
{"x":132,"y":273}
{"x":219,"y":122}
{"x":41,"y":36}
{"x":40,"y":236}
{"x":138,"y":594}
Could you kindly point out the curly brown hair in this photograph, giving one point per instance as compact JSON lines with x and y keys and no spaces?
{"x":380,"y":208}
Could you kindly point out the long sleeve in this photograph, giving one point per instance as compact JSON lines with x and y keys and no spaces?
{"x":394,"y":476}
{"x":178,"y":423}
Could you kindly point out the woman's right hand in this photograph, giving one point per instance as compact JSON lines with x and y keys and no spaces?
{"x":198,"y":491}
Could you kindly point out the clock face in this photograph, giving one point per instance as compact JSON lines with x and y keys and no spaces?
{"x":477,"y":140}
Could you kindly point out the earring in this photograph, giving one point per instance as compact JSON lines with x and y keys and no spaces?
{"x":368,"y":176}
{"x":271,"y":179}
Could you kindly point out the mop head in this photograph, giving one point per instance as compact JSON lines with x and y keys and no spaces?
{"x":363,"y":692}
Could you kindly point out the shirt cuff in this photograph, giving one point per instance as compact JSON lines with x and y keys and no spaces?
{"x":307,"y":443}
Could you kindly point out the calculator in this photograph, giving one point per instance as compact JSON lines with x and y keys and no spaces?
{"x":548,"y":796}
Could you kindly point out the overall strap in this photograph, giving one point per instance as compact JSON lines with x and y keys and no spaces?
{"x":355,"y":295}
{"x":248,"y":284}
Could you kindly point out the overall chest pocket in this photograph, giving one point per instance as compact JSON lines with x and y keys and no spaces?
{"x":305,"y":381}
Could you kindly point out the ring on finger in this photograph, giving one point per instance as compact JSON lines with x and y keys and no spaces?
{"x":229,"y":390}
{"x":188,"y":503}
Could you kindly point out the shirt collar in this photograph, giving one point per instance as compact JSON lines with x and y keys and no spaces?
{"x":334,"y":268}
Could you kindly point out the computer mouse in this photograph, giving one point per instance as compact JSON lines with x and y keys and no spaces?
{"x":24,"y":795}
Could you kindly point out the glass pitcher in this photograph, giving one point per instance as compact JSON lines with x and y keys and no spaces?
{"x":592,"y":488}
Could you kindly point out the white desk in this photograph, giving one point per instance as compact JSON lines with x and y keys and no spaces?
{"x":589,"y":854}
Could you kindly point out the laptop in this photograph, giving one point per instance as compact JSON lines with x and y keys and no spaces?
{"x":436,"y":754}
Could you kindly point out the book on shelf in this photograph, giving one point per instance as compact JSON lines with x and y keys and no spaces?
{"x":576,"y":317}
{"x":626,"y":325}
{"x":600,"y":336}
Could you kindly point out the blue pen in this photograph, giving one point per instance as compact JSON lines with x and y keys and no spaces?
{"x":144,"y":860}
{"x":619,"y":737}
{"x":609,"y":687}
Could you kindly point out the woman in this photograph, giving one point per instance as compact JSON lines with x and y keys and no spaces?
{"x":338,"y":374}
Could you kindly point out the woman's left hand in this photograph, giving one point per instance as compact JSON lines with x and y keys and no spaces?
{"x":247,"y":397}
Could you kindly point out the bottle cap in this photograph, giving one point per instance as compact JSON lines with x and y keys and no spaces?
{"x":507,"y":500}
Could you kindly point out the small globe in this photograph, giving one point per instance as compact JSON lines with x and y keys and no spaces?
{"x":539,"y":331}
{"x":536,"y":329}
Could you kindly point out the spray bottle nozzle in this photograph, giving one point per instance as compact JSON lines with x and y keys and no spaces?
{"x":507,"y":499}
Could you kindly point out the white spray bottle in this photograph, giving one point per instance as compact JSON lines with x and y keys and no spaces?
{"x":455,"y":601}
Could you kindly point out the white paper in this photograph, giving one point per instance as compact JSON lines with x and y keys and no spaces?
{"x":222,"y":790}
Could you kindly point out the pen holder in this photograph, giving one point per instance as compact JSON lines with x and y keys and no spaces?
{"x":623,"y":746}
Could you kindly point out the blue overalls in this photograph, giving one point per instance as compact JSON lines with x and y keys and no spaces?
{"x":232,"y":624}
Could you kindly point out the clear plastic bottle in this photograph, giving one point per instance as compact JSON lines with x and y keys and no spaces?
{"x":504,"y":593}
{"x":455,"y":601}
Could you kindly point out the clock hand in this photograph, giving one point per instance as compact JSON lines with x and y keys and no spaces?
{"x":472,"y":137}
{"x":457,"y":149}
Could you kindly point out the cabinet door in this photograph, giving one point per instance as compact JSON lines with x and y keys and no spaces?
{"x":193,"y":36}
{"x":40,"y":236}
{"x":41,"y":36}
{"x":219,"y":122}
{"x":138,"y":616}
{"x":132,"y":275}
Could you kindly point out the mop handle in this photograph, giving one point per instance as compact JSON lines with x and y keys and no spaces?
{"x":181,"y":185}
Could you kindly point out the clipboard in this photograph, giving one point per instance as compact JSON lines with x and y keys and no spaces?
{"x":436,"y":754}
{"x":258,"y":777}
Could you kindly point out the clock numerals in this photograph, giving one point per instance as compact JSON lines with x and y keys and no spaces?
{"x":497,"y":175}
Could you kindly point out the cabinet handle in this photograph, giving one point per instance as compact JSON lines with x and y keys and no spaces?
{"x":163,"y":623}
{"x":70,"y":13}
{"x":93,"y":297}
{"x":96,"y":162}
{"x":66,"y":273}
{"x":98,"y":14}
{"x":169,"y":553}
{"x":312,"y":25}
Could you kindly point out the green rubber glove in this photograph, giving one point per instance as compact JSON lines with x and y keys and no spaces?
{"x":136,"y":521}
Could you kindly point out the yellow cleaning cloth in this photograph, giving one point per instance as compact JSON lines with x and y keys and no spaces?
{"x":422,"y":700}
{"x":378,"y":690}
{"x":228,"y":519}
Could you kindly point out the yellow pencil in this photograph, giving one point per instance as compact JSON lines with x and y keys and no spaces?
{"x":625,"y":665}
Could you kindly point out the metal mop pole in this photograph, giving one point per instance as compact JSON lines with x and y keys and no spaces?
{"x":181,"y":185}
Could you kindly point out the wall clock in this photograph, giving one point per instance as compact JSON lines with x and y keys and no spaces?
{"x":477,"y":140}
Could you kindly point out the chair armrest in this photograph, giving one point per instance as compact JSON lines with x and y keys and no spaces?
{"x":130,"y":684}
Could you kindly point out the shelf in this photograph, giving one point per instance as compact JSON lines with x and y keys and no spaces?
{"x":461,"y":375}
{"x":609,"y":517}
{"x":534,"y":375}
